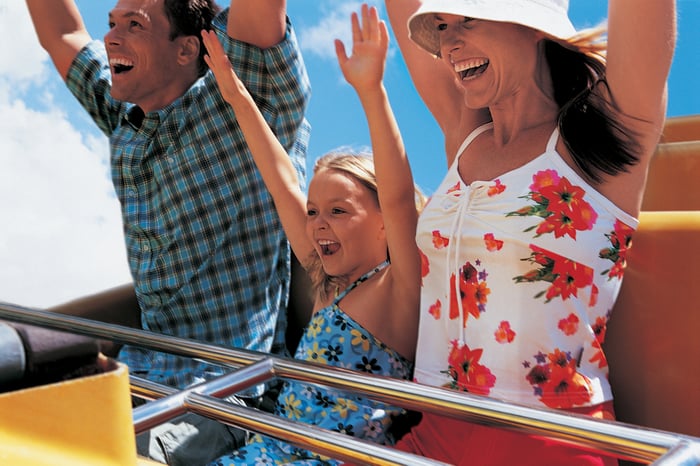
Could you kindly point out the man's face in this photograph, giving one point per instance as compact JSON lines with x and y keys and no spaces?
{"x":143,"y":60}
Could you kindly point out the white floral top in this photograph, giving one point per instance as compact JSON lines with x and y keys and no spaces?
{"x":519,"y":276}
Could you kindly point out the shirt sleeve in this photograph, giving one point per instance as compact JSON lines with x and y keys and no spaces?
{"x":89,"y":79}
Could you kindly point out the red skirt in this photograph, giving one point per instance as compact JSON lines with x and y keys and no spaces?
{"x":464,"y":443}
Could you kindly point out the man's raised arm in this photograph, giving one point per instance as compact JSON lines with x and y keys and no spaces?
{"x":60,"y":29}
{"x":260,"y":22}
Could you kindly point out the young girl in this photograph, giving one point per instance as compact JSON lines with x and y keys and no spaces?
{"x":356,"y":236}
{"x":549,"y":134}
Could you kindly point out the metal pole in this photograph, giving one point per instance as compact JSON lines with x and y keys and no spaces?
{"x":621,"y":440}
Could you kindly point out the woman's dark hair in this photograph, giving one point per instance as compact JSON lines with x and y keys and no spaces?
{"x":188,"y":18}
{"x":589,"y":125}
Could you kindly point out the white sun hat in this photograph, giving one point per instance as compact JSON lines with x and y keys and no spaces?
{"x":548,"y":16}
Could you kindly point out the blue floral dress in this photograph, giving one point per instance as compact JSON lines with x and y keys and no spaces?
{"x":333,"y":338}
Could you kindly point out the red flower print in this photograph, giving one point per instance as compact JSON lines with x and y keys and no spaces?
{"x":472,"y":293}
{"x":598,"y":355}
{"x":620,"y":242}
{"x":544,"y":178}
{"x":557,"y":383}
{"x":560,"y":223}
{"x":466,"y":372}
{"x":541,"y":180}
{"x":424,"y":265}
{"x":594,"y":296}
{"x":453,"y":188}
{"x":439,"y":241}
{"x":539,"y":374}
{"x":435,"y":309}
{"x":566,"y":388}
{"x":496,"y":188}
{"x":504,"y":334}
{"x":599,"y":329}
{"x":559,"y":203}
{"x":569,"y":325}
{"x":565,"y":276}
{"x":492,"y":244}
{"x":570,"y":276}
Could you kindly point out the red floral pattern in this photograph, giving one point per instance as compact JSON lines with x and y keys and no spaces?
{"x":473,"y":293}
{"x":504,"y":334}
{"x":620,"y":242}
{"x":556,"y":382}
{"x":559,"y":203}
{"x":565,"y":275}
{"x":467,"y":374}
{"x":489,"y":345}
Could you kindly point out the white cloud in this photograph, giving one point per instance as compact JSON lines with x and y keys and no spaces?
{"x":22,"y":60}
{"x":334,"y":24}
{"x":61,"y":235}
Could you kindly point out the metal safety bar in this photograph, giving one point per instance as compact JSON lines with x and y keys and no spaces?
{"x":625,"y":441}
{"x":203,"y":399}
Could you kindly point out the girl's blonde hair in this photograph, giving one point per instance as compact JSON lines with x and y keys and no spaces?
{"x":360,"y":166}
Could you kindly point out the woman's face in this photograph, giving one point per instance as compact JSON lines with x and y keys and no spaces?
{"x":344,"y":224}
{"x":491,"y":60}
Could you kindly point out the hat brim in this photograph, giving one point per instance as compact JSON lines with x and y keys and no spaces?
{"x":538,"y":15}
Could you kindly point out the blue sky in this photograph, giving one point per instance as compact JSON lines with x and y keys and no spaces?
{"x":61,"y":236}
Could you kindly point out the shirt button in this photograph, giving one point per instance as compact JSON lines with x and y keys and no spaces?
{"x":131,"y":193}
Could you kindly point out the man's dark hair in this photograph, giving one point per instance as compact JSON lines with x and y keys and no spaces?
{"x":188,"y":18}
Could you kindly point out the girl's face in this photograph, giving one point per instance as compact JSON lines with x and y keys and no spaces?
{"x":491,"y":60}
{"x":344,"y":224}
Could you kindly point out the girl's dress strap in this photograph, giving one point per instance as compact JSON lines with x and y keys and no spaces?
{"x":363,"y":278}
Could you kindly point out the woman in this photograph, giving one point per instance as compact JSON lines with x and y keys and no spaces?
{"x":548,"y":138}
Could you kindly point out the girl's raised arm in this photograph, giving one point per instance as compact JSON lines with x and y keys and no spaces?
{"x":364,"y":70}
{"x":272,"y":160}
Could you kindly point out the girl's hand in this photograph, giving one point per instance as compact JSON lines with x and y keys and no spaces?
{"x":230,"y":85}
{"x":365,"y":68}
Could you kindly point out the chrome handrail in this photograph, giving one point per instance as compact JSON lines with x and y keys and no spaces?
{"x":203,"y":399}
{"x":622,"y":440}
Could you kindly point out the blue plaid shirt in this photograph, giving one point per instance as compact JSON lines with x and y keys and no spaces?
{"x":206,"y":249}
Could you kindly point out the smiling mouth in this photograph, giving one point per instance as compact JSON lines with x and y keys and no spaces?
{"x":328,"y":248}
{"x":471,"y":68}
{"x":120,"y":65}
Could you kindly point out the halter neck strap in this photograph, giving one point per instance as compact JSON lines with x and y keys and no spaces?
{"x":363,"y":278}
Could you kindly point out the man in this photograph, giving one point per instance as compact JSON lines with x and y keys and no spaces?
{"x":206,"y":251}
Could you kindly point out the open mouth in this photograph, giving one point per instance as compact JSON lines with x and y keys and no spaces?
{"x":120,"y":65}
{"x":471,"y":68}
{"x":328,"y":247}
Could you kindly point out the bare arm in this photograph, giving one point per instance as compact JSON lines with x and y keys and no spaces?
{"x":258,"y":22}
{"x":364,"y":71}
{"x":60,"y":29}
{"x":434,"y":81}
{"x":272,"y":160}
{"x":641,"y":41}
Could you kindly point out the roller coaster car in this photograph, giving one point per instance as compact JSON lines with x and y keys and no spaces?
{"x":651,"y":343}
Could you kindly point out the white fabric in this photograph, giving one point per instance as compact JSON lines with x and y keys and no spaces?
{"x":548,"y":16}
{"x":515,"y":311}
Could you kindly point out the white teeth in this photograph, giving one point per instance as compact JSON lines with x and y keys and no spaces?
{"x":325,"y":242}
{"x":469,"y":64}
{"x":120,"y":61}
